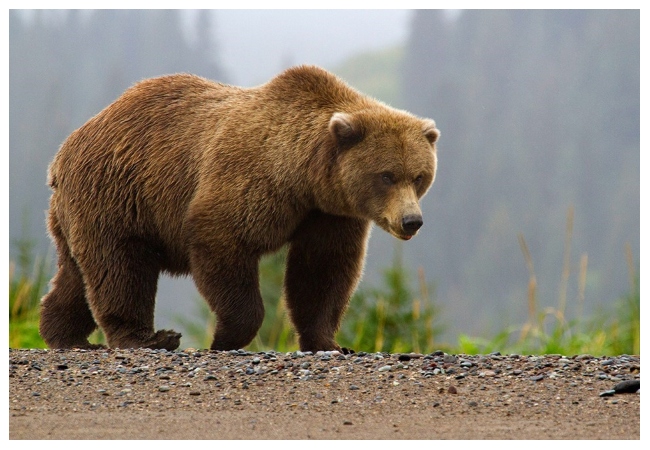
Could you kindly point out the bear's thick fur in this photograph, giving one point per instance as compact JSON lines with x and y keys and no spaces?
{"x":188,"y":176}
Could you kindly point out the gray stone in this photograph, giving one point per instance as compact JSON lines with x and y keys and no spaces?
{"x":629,"y":386}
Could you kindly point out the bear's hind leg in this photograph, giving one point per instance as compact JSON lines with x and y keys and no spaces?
{"x":324,"y":265}
{"x":66,"y":320}
{"x":121,"y":292}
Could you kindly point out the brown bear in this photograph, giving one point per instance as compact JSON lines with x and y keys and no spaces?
{"x":189,"y":176}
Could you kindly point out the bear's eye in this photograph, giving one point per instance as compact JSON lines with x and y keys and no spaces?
{"x":418,"y":180}
{"x":388,"y":178}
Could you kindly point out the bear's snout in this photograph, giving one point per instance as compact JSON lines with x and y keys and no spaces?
{"x":411,"y":223}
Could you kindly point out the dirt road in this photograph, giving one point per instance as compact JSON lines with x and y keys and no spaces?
{"x":146,"y":394}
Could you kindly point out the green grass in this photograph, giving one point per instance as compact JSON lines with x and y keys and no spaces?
{"x":610,"y":331}
{"x":399,"y":315}
{"x":395,"y":317}
{"x":28,"y":278}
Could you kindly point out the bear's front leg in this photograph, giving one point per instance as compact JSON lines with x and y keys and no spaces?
{"x":324,"y":265}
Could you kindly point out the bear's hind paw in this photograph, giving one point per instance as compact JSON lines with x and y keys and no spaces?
{"x":167,"y":339}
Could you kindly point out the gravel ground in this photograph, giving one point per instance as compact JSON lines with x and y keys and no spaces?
{"x":156,"y":394}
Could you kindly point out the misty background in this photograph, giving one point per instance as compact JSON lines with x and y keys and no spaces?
{"x":538,"y":111}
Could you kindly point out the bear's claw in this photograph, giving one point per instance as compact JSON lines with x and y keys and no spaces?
{"x":167,"y":339}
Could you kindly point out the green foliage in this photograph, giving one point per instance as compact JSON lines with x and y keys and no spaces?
{"x":28,"y":281}
{"x":619,"y":330}
{"x":28,"y":278}
{"x":391,"y":318}
{"x":612,"y":331}
{"x":394,"y":317}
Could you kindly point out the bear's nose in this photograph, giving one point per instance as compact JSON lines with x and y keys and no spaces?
{"x":411,"y":223}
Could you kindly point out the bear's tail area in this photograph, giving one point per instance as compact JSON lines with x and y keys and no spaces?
{"x":52,"y":179}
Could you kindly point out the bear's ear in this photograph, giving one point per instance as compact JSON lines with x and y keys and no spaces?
{"x":430,"y":131}
{"x":346,"y":129}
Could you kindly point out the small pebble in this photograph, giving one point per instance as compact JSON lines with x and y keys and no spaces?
{"x":449,"y":359}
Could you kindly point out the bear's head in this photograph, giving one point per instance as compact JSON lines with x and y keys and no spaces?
{"x":385,"y":162}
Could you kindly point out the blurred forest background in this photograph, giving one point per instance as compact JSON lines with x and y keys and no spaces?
{"x":540,"y":119}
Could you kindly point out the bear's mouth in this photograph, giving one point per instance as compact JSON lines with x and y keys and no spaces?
{"x":394,"y":231}
{"x":404,"y":237}
{"x":400,"y":234}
